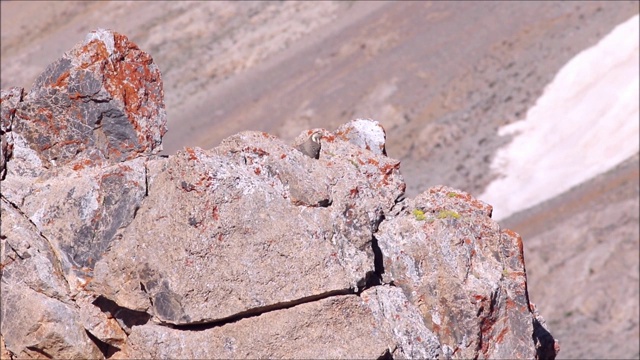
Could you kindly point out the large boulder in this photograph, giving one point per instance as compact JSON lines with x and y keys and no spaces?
{"x":250,"y":249}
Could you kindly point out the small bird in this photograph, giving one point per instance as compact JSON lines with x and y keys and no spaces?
{"x":311,"y":147}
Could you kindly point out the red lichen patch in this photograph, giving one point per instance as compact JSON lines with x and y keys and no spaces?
{"x":511,"y":233}
{"x":514,"y":275}
{"x":81,"y":164}
{"x":205,"y":181}
{"x":130,"y":79}
{"x":360,"y":161}
{"x":215,"y":214}
{"x":192,"y":154}
{"x":389,"y":168}
{"x":436,"y":328}
{"x":479,"y":297}
{"x":283,"y":156}
{"x":343,"y":135}
{"x":255,"y":150}
{"x":114,"y":153}
{"x":96,"y":51}
{"x":44,"y":117}
{"x":105,"y":177}
{"x":188,"y":262}
{"x":62,"y":81}
{"x":373,"y":161}
{"x":402,"y":187}
{"x":65,"y":143}
{"x":329,"y":138}
{"x":257,"y":171}
{"x":500,"y":337}
{"x":473,"y":202}
{"x":354,"y":192}
{"x":126,"y":168}
{"x":486,"y":329}
{"x":517,"y":237}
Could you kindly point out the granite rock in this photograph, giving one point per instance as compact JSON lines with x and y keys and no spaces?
{"x":249,"y":249}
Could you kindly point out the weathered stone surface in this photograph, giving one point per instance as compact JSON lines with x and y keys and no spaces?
{"x":227,"y":215}
{"x":365,"y":133}
{"x":250,"y":249}
{"x":464,"y":273}
{"x":67,"y":191}
{"x":392,"y":310}
{"x":9,"y":100}
{"x":37,"y":317}
{"x":80,"y":211}
{"x":36,"y":325}
{"x":27,"y":257}
{"x":102,"y":101}
{"x":338,"y":327}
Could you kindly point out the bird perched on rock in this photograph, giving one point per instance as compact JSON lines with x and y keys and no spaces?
{"x":311,"y":147}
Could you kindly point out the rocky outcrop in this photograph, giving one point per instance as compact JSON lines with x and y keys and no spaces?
{"x":250,"y":249}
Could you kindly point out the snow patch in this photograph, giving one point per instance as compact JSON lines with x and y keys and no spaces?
{"x":585,"y":123}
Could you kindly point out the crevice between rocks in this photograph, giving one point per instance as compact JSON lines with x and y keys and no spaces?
{"x":373,"y":278}
{"x":106,"y":349}
{"x":56,"y":255}
{"x":128,"y":318}
{"x":146,"y":192}
{"x":387,"y":355}
{"x":146,"y":181}
{"x":125,"y":317}
{"x":257,"y":311}
{"x":37,"y":350}
{"x":545,"y":343}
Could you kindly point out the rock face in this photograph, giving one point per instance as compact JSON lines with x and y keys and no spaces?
{"x":250,"y":249}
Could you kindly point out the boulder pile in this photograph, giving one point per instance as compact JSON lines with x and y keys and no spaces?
{"x":248,"y":250}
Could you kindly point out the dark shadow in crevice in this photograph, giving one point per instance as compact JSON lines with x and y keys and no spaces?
{"x":106,"y":349}
{"x":544,"y":341}
{"x":378,"y":258}
{"x":127,"y":318}
{"x":385,"y":356}
{"x":146,"y":181}
{"x":39,"y":351}
{"x":373,"y":278}
{"x":206,"y":325}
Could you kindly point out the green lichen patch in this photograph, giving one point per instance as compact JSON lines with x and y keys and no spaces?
{"x":419,"y":215}
{"x":443,"y":214}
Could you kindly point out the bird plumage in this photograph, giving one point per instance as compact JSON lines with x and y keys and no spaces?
{"x":311,"y":147}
